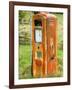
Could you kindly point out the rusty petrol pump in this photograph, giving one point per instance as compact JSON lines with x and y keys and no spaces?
{"x":44,"y":44}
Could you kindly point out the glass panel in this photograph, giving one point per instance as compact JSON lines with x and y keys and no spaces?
{"x":38,"y":35}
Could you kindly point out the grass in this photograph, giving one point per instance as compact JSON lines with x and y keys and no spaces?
{"x":24,"y":59}
{"x":60,"y":54}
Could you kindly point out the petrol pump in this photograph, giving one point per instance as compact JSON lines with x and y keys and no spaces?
{"x":44,"y":44}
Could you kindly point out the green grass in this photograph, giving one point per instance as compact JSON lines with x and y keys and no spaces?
{"x":60,"y":54}
{"x":60,"y":62}
{"x":24,"y":59}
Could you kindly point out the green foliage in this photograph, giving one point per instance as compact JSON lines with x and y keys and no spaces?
{"x":60,"y":44}
{"x":24,"y":34}
{"x":25,"y":15}
{"x":60,"y":30}
{"x":21,"y":15}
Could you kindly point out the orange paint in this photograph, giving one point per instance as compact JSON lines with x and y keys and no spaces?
{"x":44,"y":44}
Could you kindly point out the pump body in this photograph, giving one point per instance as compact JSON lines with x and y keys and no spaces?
{"x":44,"y":44}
